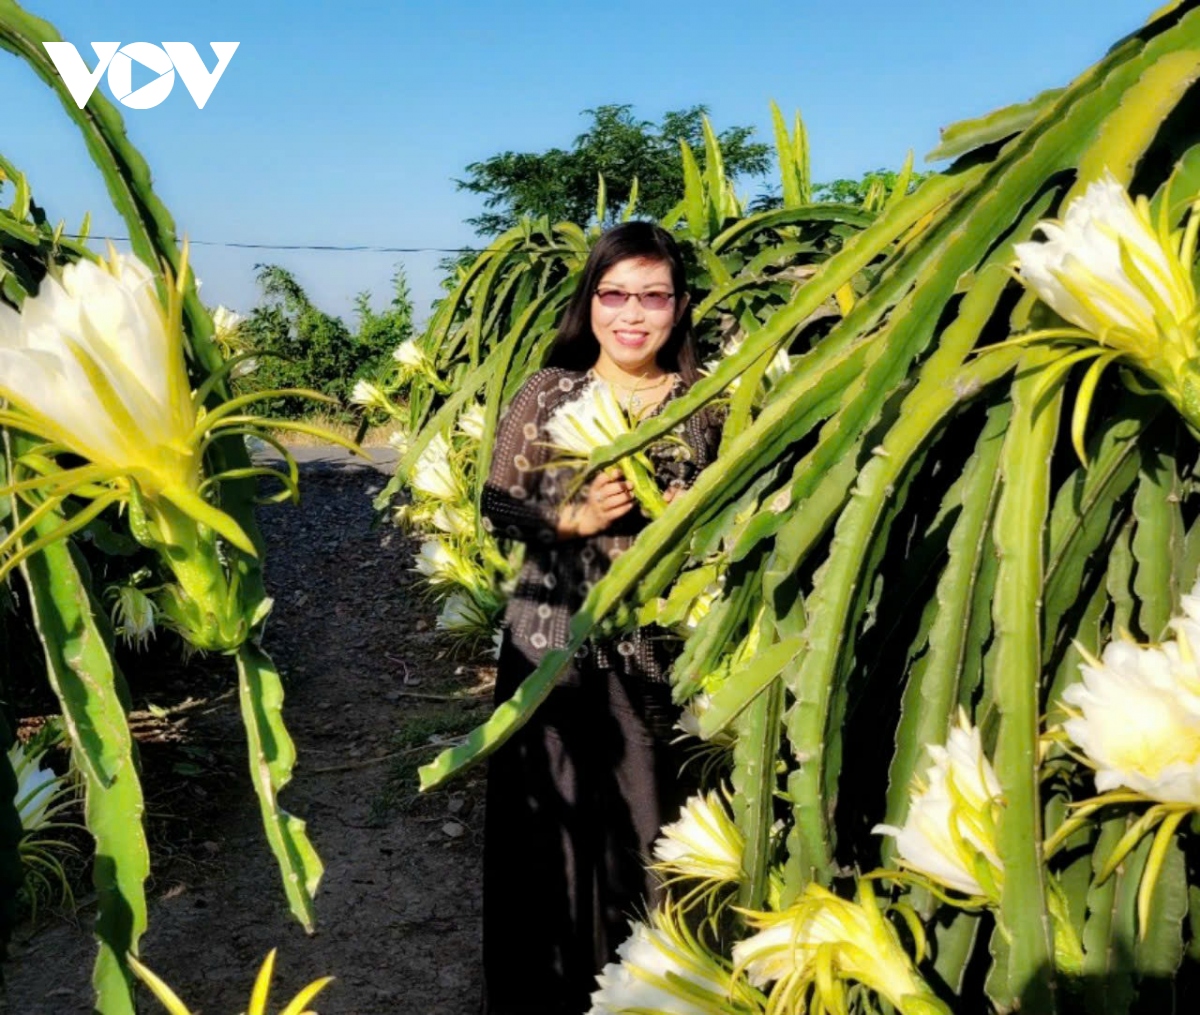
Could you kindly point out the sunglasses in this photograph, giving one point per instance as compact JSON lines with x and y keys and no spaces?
{"x":614,"y":299}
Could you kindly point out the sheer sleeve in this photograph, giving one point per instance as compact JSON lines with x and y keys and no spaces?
{"x":697,"y":439}
{"x":514,"y":503}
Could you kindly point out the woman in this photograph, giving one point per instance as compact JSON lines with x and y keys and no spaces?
{"x":577,"y":797}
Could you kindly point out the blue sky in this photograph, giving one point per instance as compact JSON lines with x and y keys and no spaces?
{"x":346,"y":123}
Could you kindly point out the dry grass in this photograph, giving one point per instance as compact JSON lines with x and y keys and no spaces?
{"x":376,"y":436}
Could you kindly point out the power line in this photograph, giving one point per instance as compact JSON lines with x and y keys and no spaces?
{"x":306,"y":246}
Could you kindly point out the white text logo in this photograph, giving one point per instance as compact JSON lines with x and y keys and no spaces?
{"x":118,"y":60}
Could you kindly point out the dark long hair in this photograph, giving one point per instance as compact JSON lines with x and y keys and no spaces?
{"x":575,"y":347}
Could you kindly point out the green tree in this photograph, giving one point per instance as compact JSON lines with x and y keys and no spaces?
{"x":868,"y":189}
{"x":562,"y":183}
{"x":301,"y":346}
{"x":845,"y":191}
{"x":378,"y":334}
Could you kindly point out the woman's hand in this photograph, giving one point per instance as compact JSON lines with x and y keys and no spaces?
{"x":608,"y":498}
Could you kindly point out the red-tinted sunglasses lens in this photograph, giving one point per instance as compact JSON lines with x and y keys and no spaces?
{"x":613,"y":299}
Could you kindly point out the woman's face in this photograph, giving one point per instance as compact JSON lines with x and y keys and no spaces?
{"x":629,"y":333}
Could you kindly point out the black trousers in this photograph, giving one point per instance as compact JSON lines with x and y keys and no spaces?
{"x":575,"y":801}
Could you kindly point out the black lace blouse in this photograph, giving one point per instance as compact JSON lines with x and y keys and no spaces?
{"x":522,"y":499}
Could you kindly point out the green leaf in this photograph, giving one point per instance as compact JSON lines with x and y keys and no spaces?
{"x":1020,"y":519}
{"x":715,"y":631}
{"x":601,"y":199}
{"x":789,"y":177}
{"x":693,"y":194}
{"x":91,"y":694}
{"x":1086,"y":505}
{"x":967,"y":135}
{"x":1159,"y":949}
{"x":272,"y":755}
{"x":714,"y":178}
{"x":1129,"y":130}
{"x":954,"y":943}
{"x":940,"y":681}
{"x":756,"y":753}
{"x":1110,"y":933}
{"x":1087,"y":635}
{"x":12,"y":874}
{"x":1181,"y":186}
{"x":900,"y":188}
{"x":798,"y":216}
{"x":938,"y":677}
{"x":743,"y":685}
{"x":1120,"y":580}
{"x":1157,"y":542}
{"x":828,"y":627}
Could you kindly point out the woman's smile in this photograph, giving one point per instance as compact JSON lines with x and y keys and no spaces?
{"x":630,"y":338}
{"x":629,"y":334}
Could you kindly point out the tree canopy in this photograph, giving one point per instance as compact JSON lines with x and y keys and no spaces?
{"x":847,"y":191}
{"x":562,"y":183}
{"x":301,"y":346}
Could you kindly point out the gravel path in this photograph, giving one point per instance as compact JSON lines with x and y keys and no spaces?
{"x":368,"y":683}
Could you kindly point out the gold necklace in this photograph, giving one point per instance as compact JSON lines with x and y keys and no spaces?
{"x":634,"y":400}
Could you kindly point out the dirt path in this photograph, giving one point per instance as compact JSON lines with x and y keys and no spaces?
{"x":398,"y":911}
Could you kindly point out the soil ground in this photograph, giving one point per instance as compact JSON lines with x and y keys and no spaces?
{"x":370,"y":690}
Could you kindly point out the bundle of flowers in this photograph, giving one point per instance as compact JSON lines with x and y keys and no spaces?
{"x":586,"y":424}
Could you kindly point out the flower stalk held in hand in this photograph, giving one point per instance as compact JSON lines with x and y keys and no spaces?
{"x":594,"y":420}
